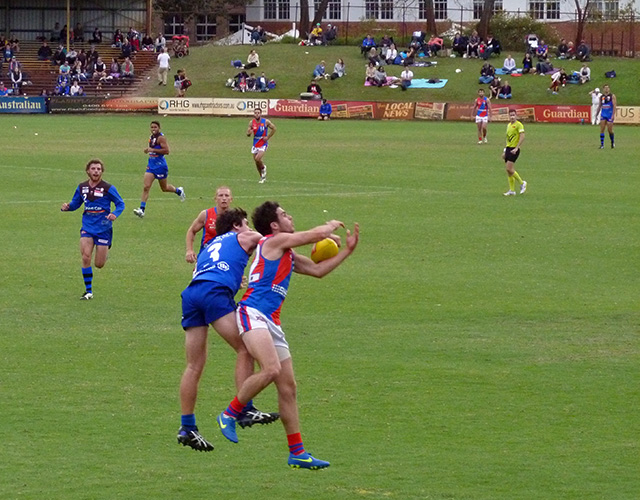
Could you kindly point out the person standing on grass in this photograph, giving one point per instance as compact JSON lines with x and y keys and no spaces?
{"x":515,"y":138}
{"x":482,"y":110}
{"x":206,"y":222}
{"x":97,"y":220}
{"x":209,"y":300}
{"x":163,"y":66}
{"x":156,"y":168}
{"x":262,"y":130}
{"x":258,"y":318}
{"x":607,"y":111}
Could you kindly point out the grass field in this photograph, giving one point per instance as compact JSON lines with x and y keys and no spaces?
{"x":475,"y":347}
{"x":209,"y":67}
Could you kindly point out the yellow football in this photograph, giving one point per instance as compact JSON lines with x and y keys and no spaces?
{"x":323,"y":250}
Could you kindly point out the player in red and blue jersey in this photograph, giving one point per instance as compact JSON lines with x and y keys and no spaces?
{"x":482,"y":111}
{"x":607,"y":110}
{"x":262,"y":130}
{"x":258,"y":318}
{"x":206,"y":221}
{"x":97,"y":220}
{"x":209,"y":299}
{"x":156,"y":169}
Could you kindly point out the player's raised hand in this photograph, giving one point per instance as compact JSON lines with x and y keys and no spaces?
{"x":353,"y":238}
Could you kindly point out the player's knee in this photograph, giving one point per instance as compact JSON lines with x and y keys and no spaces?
{"x":271,"y":372}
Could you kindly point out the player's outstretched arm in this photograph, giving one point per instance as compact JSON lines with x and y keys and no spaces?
{"x":304,"y":265}
{"x":194,"y":228}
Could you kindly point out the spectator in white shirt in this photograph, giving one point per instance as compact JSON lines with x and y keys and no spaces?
{"x":405,"y":78}
{"x":509,"y":65}
{"x":163,"y":67}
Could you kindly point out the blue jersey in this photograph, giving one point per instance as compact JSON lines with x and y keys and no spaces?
{"x":97,"y":205}
{"x":223,"y":260}
{"x":607,"y":106}
{"x":268,"y":283}
{"x":155,"y":160}
{"x":325,"y":109}
{"x":259,"y":133}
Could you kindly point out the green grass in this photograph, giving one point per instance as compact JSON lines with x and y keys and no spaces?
{"x":292,"y":66}
{"x":475,"y":347}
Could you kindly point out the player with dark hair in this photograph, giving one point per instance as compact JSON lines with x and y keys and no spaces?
{"x":262,"y":130}
{"x":515,"y":138}
{"x":482,"y":110}
{"x":258,"y":319}
{"x":209,"y":299}
{"x":607,"y":110}
{"x":156,"y":168}
{"x":206,"y":221}
{"x":97,"y":220}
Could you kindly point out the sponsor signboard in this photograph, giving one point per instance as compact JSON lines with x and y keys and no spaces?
{"x":430,"y":110}
{"x":395,"y":110}
{"x":295,"y":108}
{"x":210,"y":106}
{"x":23,"y":104}
{"x":627,"y":114}
{"x":355,"y":109}
{"x":563,"y":114}
{"x":102,"y":105}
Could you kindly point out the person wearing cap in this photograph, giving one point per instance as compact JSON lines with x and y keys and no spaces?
{"x":315,"y":37}
{"x":595,"y":104}
{"x":330,"y":35}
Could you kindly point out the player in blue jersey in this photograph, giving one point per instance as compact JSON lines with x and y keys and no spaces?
{"x":258,"y":319}
{"x":607,"y":110}
{"x":97,"y":220}
{"x":262,"y":130}
{"x":156,"y":168}
{"x":209,"y":299}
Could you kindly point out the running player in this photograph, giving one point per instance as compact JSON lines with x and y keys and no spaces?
{"x":156,"y":168}
{"x":206,"y":221}
{"x":262,"y":130}
{"x":607,"y":110}
{"x":482,"y":110}
{"x":515,"y":138}
{"x":97,"y":220}
{"x":209,"y":299}
{"x":258,"y":319}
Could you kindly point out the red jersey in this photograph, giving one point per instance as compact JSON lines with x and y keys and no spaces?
{"x":482,"y":107}
{"x":209,"y":229}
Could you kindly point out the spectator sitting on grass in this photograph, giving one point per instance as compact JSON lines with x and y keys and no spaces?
{"x":583,"y":52}
{"x":435,"y":44}
{"x":380,"y":77}
{"x":509,"y":65}
{"x":339,"y":70}
{"x":585,"y":73}
{"x":315,"y":89}
{"x":329,"y":35}
{"x":544,"y":67}
{"x":367,"y":44}
{"x":459,"y":45}
{"x":252,"y":83}
{"x":240,"y":81}
{"x":473,"y":44}
{"x":315,"y":37}
{"x":406,"y":77}
{"x":505,"y":91}
{"x":325,"y":110}
{"x":527,"y":63}
{"x":542,"y":51}
{"x":391,"y":54}
{"x":487,"y":73}
{"x":563,"y":50}
{"x":319,"y":71}
{"x":253,"y":60}
{"x":494,"y":87}
{"x":370,"y":75}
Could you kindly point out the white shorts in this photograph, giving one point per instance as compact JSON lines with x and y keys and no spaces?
{"x":482,"y":119}
{"x":255,"y":150}
{"x":249,"y":318}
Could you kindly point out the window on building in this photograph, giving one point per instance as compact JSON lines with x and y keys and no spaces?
{"x":235,"y":22}
{"x":536,"y":9}
{"x":335,"y":9}
{"x":371,"y":9}
{"x":173,"y":25}
{"x":440,"y":8}
{"x":386,"y":9}
{"x":284,"y":9}
{"x":553,"y":10}
{"x":477,"y":8}
{"x":270,"y":9}
{"x":422,"y":9}
{"x":205,"y":28}
{"x":497,"y":6}
{"x":611,"y":9}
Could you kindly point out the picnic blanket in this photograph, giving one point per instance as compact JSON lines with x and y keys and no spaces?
{"x":502,"y":71}
{"x":423,"y":83}
{"x":390,"y":80}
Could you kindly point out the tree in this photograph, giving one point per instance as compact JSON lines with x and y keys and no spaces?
{"x":430,"y":14}
{"x":305,"y":25}
{"x":485,"y":18}
{"x":582,"y":15}
{"x":189,"y":8}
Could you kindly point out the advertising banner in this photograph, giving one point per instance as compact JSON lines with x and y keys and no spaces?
{"x":430,"y":110}
{"x":395,"y":110}
{"x":627,"y":114}
{"x":294,"y":108}
{"x":355,"y":109}
{"x":23,"y":104}
{"x":210,"y":106}
{"x":563,"y":114}
{"x":102,"y":105}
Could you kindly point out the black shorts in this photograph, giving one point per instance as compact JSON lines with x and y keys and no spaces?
{"x":509,"y":155}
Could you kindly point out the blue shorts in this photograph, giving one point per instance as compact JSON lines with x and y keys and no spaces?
{"x":159,"y":172}
{"x":203,"y":302}
{"x":606,"y":117}
{"x":99,"y":239}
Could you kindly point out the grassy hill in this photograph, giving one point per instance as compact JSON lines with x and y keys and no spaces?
{"x":209,"y":67}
